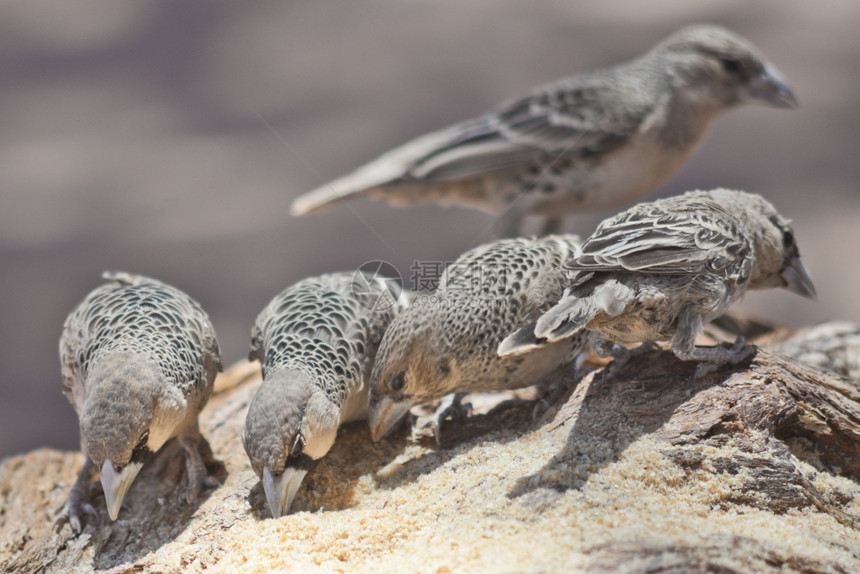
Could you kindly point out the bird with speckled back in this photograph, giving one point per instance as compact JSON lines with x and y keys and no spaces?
{"x":661,"y":270}
{"x":316,"y":342}
{"x":139,"y":359}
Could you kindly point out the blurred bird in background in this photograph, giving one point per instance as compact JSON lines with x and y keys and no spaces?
{"x":584,"y":143}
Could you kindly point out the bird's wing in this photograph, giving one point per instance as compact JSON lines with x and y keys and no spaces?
{"x":72,"y":360}
{"x":581,"y":117}
{"x":578,"y":118}
{"x":256,"y":352}
{"x":668,"y":239}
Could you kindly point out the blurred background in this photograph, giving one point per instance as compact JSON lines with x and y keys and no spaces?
{"x":169,"y":138}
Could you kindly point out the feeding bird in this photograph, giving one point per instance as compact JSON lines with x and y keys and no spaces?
{"x":139,"y":359}
{"x":446,"y":342}
{"x":316,"y":342}
{"x":584,"y":143}
{"x":661,"y":270}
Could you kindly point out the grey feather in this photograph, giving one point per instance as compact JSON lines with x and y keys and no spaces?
{"x":447,"y":341}
{"x":583,"y":143}
{"x":142,"y":316}
{"x":316,"y":342}
{"x":661,"y":270}
{"x":139,"y":359}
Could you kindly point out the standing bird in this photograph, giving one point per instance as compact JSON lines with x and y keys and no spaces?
{"x":661,"y":270}
{"x":139,"y":359}
{"x":584,"y":143}
{"x":316,"y":342}
{"x":446,"y":342}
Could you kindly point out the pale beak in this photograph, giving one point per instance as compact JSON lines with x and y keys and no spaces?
{"x":797,"y":279}
{"x":385,"y":415}
{"x":769,"y":88}
{"x":281,"y":490}
{"x":116,"y":484}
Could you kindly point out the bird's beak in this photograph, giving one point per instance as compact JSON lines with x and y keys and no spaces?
{"x":116,"y":484}
{"x":385,"y":415}
{"x":797,"y":279}
{"x":281,"y":490}
{"x":769,"y":88}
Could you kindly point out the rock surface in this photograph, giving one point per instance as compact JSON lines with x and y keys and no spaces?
{"x":755,"y":468}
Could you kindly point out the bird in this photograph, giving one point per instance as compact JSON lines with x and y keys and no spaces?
{"x":584,"y":143}
{"x":139,"y":359}
{"x":446,"y":341}
{"x":316,"y":342}
{"x":661,"y":270}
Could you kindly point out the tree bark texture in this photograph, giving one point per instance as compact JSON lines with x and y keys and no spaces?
{"x":754,"y":468}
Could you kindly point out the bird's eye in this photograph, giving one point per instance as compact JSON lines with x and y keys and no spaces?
{"x":144,"y":438}
{"x":730,"y":65}
{"x":396,"y":382}
{"x":787,"y":238}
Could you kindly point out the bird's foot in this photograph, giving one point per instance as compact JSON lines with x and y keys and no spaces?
{"x":552,"y":390}
{"x":77,"y":504}
{"x":198,"y":476}
{"x":620,"y":354}
{"x":714,"y":358}
{"x":451,"y":406}
{"x":73,"y":512}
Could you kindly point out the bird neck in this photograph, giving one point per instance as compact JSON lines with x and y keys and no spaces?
{"x":686,"y":122}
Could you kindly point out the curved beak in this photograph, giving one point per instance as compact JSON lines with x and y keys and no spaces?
{"x":797,"y":279}
{"x":281,"y":490}
{"x":769,"y":88}
{"x":116,"y":484}
{"x":385,"y":415}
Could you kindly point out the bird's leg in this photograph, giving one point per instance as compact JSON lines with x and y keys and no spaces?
{"x":620,"y":354}
{"x":558,"y":384}
{"x":78,"y":501}
{"x":710,"y":358}
{"x":606,"y":348}
{"x":191,"y":442}
{"x":451,"y":405}
{"x":551,"y":225}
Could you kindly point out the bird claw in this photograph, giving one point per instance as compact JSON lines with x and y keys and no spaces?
{"x":703,"y":369}
{"x":197,"y":483}
{"x":198,"y":477}
{"x":739,"y":352}
{"x":73,"y":516}
{"x":620,"y":354}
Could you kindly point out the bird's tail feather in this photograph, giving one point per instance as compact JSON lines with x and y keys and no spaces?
{"x":568,"y":317}
{"x":519,"y":342}
{"x":370,"y":178}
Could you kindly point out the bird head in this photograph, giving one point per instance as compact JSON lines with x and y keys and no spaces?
{"x":128,"y":415}
{"x":776,"y":261}
{"x":291,"y":425}
{"x":413,"y":366}
{"x":716,"y":68}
